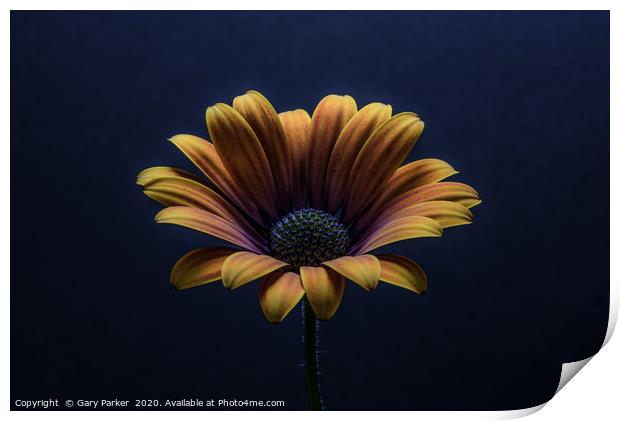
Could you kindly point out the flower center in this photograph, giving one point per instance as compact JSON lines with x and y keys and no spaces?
{"x":307,"y":237}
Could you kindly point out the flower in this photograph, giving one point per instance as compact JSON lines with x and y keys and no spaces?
{"x":306,"y":199}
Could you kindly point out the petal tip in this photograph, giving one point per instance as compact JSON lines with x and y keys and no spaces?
{"x":174,"y":286}
{"x":255,"y":92}
{"x":174,"y":139}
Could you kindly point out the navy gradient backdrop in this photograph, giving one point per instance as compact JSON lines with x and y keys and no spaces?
{"x":518,"y":102}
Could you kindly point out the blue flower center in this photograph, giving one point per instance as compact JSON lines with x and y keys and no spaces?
{"x":307,"y":237}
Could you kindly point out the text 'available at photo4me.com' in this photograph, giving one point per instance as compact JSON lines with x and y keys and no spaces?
{"x":192,"y":403}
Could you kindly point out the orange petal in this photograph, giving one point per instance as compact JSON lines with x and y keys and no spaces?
{"x":178,"y":190}
{"x":407,"y":177}
{"x":324,"y":289}
{"x":379,"y":158}
{"x":172,"y":191}
{"x":279,"y":294}
{"x":152,"y":174}
{"x":398,"y":230}
{"x":445,"y":191}
{"x":264,"y":121}
{"x":199,"y":267}
{"x":295,"y":125}
{"x":242,"y":155}
{"x":243,"y":267}
{"x":418,"y":173}
{"x":403,"y":272}
{"x":208,"y":223}
{"x":347,"y":147}
{"x":202,"y":154}
{"x":447,"y":214}
{"x":363,"y":270}
{"x":328,"y":120}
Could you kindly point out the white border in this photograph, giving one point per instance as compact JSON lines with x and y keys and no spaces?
{"x":595,"y":393}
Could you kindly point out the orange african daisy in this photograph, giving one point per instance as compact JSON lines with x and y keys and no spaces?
{"x":306,"y":199}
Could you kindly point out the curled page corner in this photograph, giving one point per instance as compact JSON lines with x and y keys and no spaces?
{"x":568,"y":372}
{"x":570,"y":369}
{"x":518,"y":413}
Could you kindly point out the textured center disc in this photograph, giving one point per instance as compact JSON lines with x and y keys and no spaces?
{"x":307,"y":237}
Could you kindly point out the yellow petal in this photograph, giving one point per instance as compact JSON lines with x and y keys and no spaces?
{"x":178,"y":190}
{"x":446,"y":191}
{"x":416,"y":174}
{"x":380,"y":157}
{"x":295,"y":124}
{"x":242,"y":155}
{"x":403,"y":272}
{"x":203,"y":155}
{"x":199,"y":267}
{"x":264,"y":121}
{"x":398,"y":230}
{"x":184,"y":192}
{"x":243,"y":267}
{"x":324,"y":289}
{"x":152,"y":174}
{"x":447,"y":214}
{"x":347,"y":147}
{"x":407,"y":177}
{"x":208,"y":223}
{"x":328,"y":120}
{"x":279,"y":294}
{"x":363,"y":270}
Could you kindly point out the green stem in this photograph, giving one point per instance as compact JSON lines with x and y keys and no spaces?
{"x":311,"y":357}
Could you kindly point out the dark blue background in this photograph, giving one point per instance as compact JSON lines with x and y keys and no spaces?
{"x":518,"y":102}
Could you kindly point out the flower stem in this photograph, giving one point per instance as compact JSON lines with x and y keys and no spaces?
{"x":311,"y":357}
